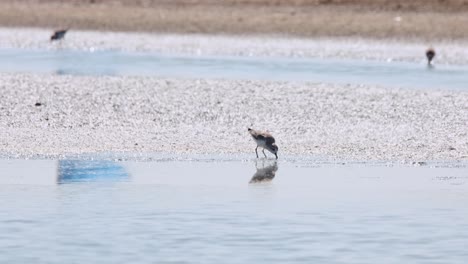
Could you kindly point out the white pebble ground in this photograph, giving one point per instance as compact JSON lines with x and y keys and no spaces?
{"x":56,"y":115}
{"x":448,"y":52}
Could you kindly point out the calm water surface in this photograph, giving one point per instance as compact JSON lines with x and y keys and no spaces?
{"x":398,"y":74}
{"x":78,"y":211}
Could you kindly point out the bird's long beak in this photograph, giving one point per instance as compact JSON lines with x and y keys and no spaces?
{"x":276,"y":156}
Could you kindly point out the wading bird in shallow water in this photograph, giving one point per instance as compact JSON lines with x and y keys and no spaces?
{"x":430,"y":54}
{"x":58,"y":35}
{"x":264,"y":140}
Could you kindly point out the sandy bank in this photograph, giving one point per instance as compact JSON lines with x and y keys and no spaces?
{"x":143,"y":114}
{"x":448,"y":52}
{"x":423,"y":19}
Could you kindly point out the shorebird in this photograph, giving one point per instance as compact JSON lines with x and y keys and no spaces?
{"x":58,"y":35}
{"x":430,"y":54}
{"x":264,"y":140}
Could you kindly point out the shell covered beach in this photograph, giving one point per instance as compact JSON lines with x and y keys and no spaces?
{"x":56,"y":115}
{"x":363,"y":91}
{"x":53,"y":115}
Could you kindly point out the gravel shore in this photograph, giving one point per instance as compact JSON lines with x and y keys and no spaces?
{"x":56,"y":115}
{"x":448,"y":52}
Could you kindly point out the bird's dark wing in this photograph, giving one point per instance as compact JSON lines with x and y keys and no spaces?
{"x":269,"y":140}
{"x":259,"y":136}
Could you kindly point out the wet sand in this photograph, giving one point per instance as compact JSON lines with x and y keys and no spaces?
{"x":56,"y":115}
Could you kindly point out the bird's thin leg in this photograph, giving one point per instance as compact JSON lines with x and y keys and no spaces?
{"x":264,"y":153}
{"x":256,"y":151}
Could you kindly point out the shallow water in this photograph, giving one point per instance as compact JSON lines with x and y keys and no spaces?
{"x":397,"y":74}
{"x":84,"y":211}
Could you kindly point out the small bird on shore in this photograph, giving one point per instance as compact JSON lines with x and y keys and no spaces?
{"x":264,"y":140}
{"x":58,"y":35}
{"x":430,"y":54}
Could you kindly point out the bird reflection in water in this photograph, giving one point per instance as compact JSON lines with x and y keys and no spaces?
{"x":265,"y":172}
{"x":71,"y":171}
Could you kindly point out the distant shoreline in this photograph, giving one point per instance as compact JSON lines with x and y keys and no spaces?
{"x":449,"y":52}
{"x":426,"y":20}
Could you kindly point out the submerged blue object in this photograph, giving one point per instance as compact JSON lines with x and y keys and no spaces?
{"x":86,"y":170}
